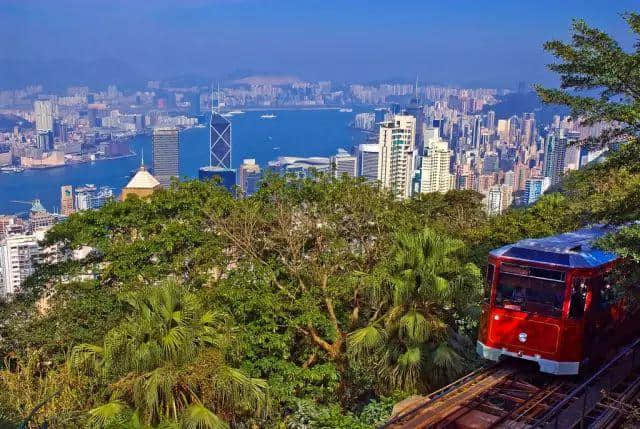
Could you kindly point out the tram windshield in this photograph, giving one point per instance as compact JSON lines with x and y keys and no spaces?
{"x":531,"y":290}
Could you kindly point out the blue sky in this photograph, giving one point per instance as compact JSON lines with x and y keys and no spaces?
{"x":445,"y":41}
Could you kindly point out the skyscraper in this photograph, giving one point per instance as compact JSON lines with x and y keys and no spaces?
{"x":249,"y":175}
{"x":219,"y":138}
{"x":368,"y":161}
{"x":434,"y":172}
{"x":534,"y":188}
{"x":66,"y":200}
{"x":491,"y":119}
{"x":166,"y":156}
{"x":18,"y":255}
{"x":397,"y":154}
{"x":343,"y":163}
{"x":43,"y":110}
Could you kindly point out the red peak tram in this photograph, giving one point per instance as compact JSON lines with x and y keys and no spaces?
{"x":550,"y":301}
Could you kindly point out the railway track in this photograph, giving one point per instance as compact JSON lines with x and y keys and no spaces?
{"x":512,"y":395}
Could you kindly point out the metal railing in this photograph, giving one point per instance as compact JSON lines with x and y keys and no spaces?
{"x":578,"y":403}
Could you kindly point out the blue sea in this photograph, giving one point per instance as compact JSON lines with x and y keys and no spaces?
{"x":291,"y":133}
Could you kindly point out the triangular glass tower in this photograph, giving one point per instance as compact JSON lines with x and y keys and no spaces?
{"x":219,"y":138}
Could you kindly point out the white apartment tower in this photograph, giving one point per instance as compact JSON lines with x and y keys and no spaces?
{"x":17,"y":256}
{"x":435,"y":175}
{"x":397,"y":154}
{"x":43,"y":110}
{"x":343,"y":163}
{"x":368,"y":155}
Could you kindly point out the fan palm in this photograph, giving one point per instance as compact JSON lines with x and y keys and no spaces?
{"x":149,"y":359}
{"x":425,"y":292}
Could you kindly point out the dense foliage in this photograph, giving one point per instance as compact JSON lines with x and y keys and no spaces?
{"x":314,"y":303}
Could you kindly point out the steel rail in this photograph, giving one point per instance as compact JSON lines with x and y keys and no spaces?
{"x":433,"y":396}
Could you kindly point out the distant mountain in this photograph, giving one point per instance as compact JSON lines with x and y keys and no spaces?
{"x":519,"y":103}
{"x":7,"y":122}
{"x":57,"y":75}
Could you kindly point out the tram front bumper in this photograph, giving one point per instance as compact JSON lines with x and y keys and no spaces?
{"x":546,"y":365}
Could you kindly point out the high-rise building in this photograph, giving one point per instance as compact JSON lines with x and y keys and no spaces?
{"x":226,"y":177}
{"x":494,"y":200}
{"x":368,"y":161}
{"x":194,"y":103}
{"x":18,"y":254}
{"x":249,"y":176}
{"x":166,"y":155}
{"x":475,"y":132}
{"x":66,"y":200}
{"x":557,"y":158}
{"x":219,"y":140}
{"x":343,"y":163}
{"x":43,"y":110}
{"x":503,"y":129}
{"x":534,"y":188}
{"x":491,"y":120}
{"x":397,"y":155}
{"x":435,"y":175}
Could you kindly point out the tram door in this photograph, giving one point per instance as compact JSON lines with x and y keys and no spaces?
{"x":579,"y":312}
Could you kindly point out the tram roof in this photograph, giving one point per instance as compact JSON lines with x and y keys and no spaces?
{"x":572,"y":249}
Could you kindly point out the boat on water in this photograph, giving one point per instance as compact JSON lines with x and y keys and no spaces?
{"x":11,"y":169}
{"x":345,"y":110}
{"x":200,"y":126}
{"x":268,"y":116}
{"x":227,"y":115}
{"x":236,"y":112}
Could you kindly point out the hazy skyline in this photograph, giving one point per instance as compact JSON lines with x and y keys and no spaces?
{"x":464,"y":42}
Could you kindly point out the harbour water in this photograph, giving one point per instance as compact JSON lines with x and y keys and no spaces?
{"x":292,"y":132}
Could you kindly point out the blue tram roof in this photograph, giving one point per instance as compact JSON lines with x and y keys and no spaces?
{"x":572,"y":249}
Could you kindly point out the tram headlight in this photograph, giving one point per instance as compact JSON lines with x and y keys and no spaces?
{"x":522,"y":336}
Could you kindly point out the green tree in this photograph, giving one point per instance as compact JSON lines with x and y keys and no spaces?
{"x":423,"y":296}
{"x":610,"y":191}
{"x":166,"y":360}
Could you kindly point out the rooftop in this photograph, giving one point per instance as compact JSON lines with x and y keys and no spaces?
{"x":572,"y":249}
{"x":143,"y":180}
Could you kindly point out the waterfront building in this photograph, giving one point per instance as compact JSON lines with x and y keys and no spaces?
{"x":365,"y":121}
{"x":219,"y":140}
{"x":343,"y":163}
{"x":249,"y":176}
{"x":367,"y":160}
{"x":435,"y":175}
{"x":43,"y":112}
{"x":90,"y":197}
{"x":166,"y":155}
{"x":66,"y":200}
{"x":397,"y":155}
{"x":226,"y":177}
{"x":300,"y":167}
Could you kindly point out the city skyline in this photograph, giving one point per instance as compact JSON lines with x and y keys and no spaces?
{"x":462,"y":44}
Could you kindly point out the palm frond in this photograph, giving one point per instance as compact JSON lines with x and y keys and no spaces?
{"x":198,"y":416}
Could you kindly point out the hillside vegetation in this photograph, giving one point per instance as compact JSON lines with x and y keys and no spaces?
{"x":314,"y":303}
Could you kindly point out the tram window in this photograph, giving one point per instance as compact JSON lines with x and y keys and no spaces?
{"x":578,"y":298}
{"x":489,"y":281}
{"x":530,"y":294}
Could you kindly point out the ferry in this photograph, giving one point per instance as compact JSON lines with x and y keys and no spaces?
{"x":268,"y":116}
{"x":236,"y":112}
{"x":11,"y":169}
{"x":226,"y":115}
{"x":200,"y":126}
{"x":345,"y":110}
